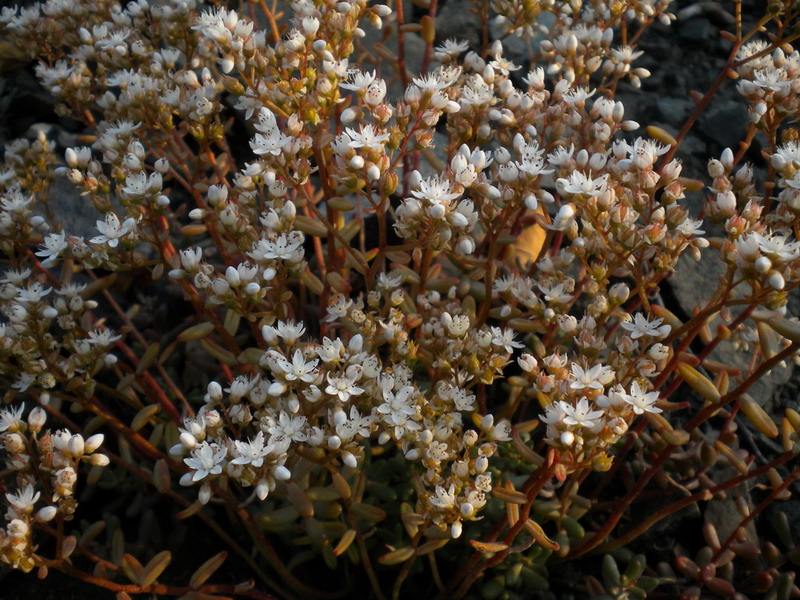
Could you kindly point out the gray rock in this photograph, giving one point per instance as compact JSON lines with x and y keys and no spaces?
{"x":72,"y":211}
{"x":725,"y":123}
{"x":414,"y":52}
{"x":517,"y":49}
{"x":692,"y":145}
{"x":696,"y":30}
{"x":693,"y":284}
{"x":456,"y":20}
{"x":439,"y":151}
{"x":724,"y":514}
{"x":673,"y":110}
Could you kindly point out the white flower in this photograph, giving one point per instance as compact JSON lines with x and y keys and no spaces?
{"x":436,"y":190}
{"x":54,"y":244}
{"x":252,"y":452}
{"x":331,"y":350}
{"x":269,"y":144}
{"x":578,"y":183}
{"x":366,"y":137}
{"x":451,"y":48}
{"x":288,"y":330}
{"x":288,"y":428}
{"x":11,"y":418}
{"x":594,"y":379}
{"x":581,"y":414}
{"x":111,"y":230}
{"x":777,"y":247}
{"x":338,"y":308}
{"x":432,"y":82}
{"x":501,"y":432}
{"x":388,"y":282}
{"x":456,"y":326}
{"x":359,"y":81}
{"x":771,"y":79}
{"x":345,"y":386}
{"x":15,"y":277}
{"x":24,"y":381}
{"x":644,"y":153}
{"x":503,"y":65}
{"x":33,"y":293}
{"x":397,"y":403}
{"x":347,"y":429}
{"x":270,"y":140}
{"x":505,"y":339}
{"x":103,"y":337}
{"x":580,"y":94}
{"x":206,"y":459}
{"x":299,"y":368}
{"x":23,"y":500}
{"x":444,"y":499}
{"x":555,"y":413}
{"x":691,"y":227}
{"x":376,"y":93}
{"x":121,"y":128}
{"x":462,"y":399}
{"x":135,"y":184}
{"x":556,"y":293}
{"x":642,"y":401}
{"x":641,"y":327}
{"x":284,"y":247}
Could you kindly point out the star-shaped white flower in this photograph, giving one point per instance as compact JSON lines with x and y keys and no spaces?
{"x":642,"y":401}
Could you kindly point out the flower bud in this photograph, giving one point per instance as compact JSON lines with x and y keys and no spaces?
{"x":188,"y":441}
{"x":93,"y":443}
{"x":356,"y":343}
{"x":71,"y":157}
{"x":36,"y":419}
{"x":349,"y":460}
{"x":14,"y":443}
{"x":481,"y":464}
{"x":204,"y":495}
{"x":99,"y":460}
{"x":46,"y":514}
{"x":76,"y":445}
{"x":726,"y":202}
{"x":776,"y":281}
{"x":715,"y":168}
{"x":214,"y":391}
{"x":232,"y":275}
{"x":281,"y":473}
{"x":349,"y":115}
{"x":262,"y":489}
{"x":619,"y":293}
{"x":487,"y":422}
{"x":465,"y":247}
{"x":455,"y":530}
{"x":727,"y":158}
{"x":437,"y":211}
{"x":763,"y":264}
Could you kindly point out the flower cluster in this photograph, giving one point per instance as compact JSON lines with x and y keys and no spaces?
{"x":42,"y":461}
{"x":381,"y":282}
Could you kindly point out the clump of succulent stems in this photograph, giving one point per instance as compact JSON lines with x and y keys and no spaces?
{"x":430,"y":302}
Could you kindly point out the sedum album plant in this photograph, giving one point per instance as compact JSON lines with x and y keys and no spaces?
{"x":425,"y":305}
